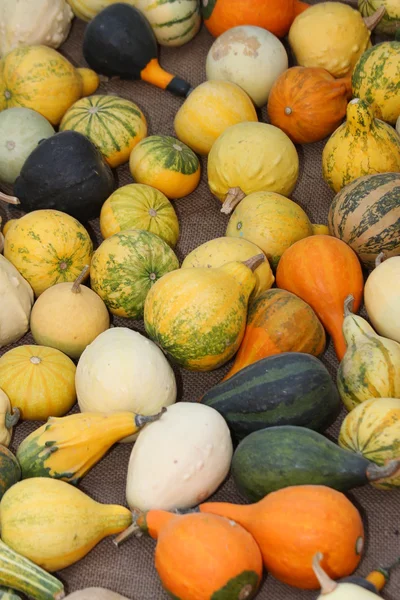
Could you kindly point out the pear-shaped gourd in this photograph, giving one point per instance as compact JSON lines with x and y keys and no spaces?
{"x":336,"y":590}
{"x":198,"y":316}
{"x":16,"y":303}
{"x":60,"y":524}
{"x":371,"y":366}
{"x":69,"y":316}
{"x":382,"y":297}
{"x":361,"y":146}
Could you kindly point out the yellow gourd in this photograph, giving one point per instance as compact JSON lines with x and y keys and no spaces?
{"x":40,"y":78}
{"x":54,"y":524}
{"x":361,"y":146}
{"x":8,"y":419}
{"x":39,"y":381}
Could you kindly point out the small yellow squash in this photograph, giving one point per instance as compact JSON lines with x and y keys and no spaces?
{"x":211,"y":108}
{"x":39,"y":381}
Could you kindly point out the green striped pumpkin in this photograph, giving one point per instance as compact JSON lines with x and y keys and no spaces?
{"x":390,"y":22}
{"x":174,"y":22}
{"x":113,"y":124}
{"x":366,"y":215}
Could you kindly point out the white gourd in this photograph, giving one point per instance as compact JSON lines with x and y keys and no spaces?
{"x":382,"y":298}
{"x":33,"y":22}
{"x":95,"y":594}
{"x":122,"y":370}
{"x":333,"y":590}
{"x":7,"y":419}
{"x":16,"y":300}
{"x":180,"y":460}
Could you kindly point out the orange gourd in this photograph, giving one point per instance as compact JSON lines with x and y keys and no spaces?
{"x":308,"y":104}
{"x":278,"y":321}
{"x":323,"y":271}
{"x":274,"y":15}
{"x":217,"y":557}
{"x":294,"y":523}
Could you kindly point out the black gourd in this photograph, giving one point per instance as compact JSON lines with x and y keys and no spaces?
{"x":120,"y":42}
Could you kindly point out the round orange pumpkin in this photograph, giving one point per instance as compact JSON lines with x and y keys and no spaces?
{"x":308,"y":104}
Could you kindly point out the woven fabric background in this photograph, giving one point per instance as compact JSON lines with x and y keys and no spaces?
{"x":129,"y":569}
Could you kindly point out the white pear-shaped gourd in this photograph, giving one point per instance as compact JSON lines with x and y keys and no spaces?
{"x":333,"y":590}
{"x":371,"y":366}
{"x":382,"y":297}
{"x":180,"y":462}
{"x":8,"y":419}
{"x":16,"y":300}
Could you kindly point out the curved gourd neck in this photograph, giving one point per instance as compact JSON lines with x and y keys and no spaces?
{"x":243,"y":272}
{"x":360,"y":118}
{"x":354,"y":326}
{"x":241,"y":514}
{"x":114,"y":517}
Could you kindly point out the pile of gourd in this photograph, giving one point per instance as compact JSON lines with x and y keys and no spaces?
{"x":265,"y":420}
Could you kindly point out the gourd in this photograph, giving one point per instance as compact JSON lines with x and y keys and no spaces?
{"x":291,"y":388}
{"x":27,"y":74}
{"x":333,"y":36}
{"x":267,"y":219}
{"x":26,"y":577}
{"x":372,"y":430}
{"x":338,"y":590}
{"x":364,"y":214}
{"x":139,"y":206}
{"x":8,"y":594}
{"x":113,"y":124}
{"x":8,"y":419}
{"x":121,"y":370}
{"x":279,"y":457}
{"x":381,"y":297}
{"x":375,"y":79}
{"x":222,"y":250}
{"x":120,"y":42}
{"x":95,"y":594}
{"x":209,"y":110}
{"x":249,"y":56}
{"x":390,"y":21}
{"x":61,"y":524}
{"x":180,"y":460}
{"x":48,"y":247}
{"x":198,"y":316}
{"x":296,"y":522}
{"x":67,"y":448}
{"x":361,"y":146}
{"x":16,"y":303}
{"x":166,"y":164}
{"x":254,"y":157}
{"x":21,"y":129}
{"x":218,"y":557}
{"x":88,"y":9}
{"x":39,"y":381}
{"x":323,"y":271}
{"x":220,"y":15}
{"x":278,"y":321}
{"x":69,"y":316}
{"x":45,"y":183}
{"x":126,"y":266}
{"x":10,"y":470}
{"x":371,"y":366}
{"x":308,"y":103}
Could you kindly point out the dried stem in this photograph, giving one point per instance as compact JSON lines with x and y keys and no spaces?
{"x":12,"y":418}
{"x":255,"y":261}
{"x":9,"y":199}
{"x":348,"y":305}
{"x":380,"y":258}
{"x":77,"y":283}
{"x":141,"y":420}
{"x":232,"y":199}
{"x":376,"y":472}
{"x":327,"y":584}
{"x":372,"y":21}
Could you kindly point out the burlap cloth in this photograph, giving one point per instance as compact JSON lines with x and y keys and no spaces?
{"x":129,"y":569}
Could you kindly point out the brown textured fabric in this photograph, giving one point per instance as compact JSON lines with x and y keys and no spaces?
{"x":129,"y":570}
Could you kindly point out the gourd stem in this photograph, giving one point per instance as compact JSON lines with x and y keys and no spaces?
{"x":372,"y":21}
{"x":380,"y":258}
{"x":9,"y":199}
{"x":376,"y":472}
{"x":141,"y":420}
{"x":326,"y":583}
{"x":232,"y":199}
{"x":12,"y":418}
{"x":59,"y":596}
{"x":133,"y":529}
{"x":77,"y":283}
{"x":254,"y":262}
{"x":348,"y":305}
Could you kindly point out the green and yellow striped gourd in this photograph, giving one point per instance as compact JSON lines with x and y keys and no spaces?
{"x":390,"y":22}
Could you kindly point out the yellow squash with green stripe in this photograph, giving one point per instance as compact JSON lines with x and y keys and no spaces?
{"x":198,"y":316}
{"x":372,"y":429}
{"x":113,"y":124}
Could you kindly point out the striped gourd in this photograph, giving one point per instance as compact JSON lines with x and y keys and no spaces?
{"x":390,"y":22}
{"x":366,"y":214}
{"x":174,"y":22}
{"x":8,"y":594}
{"x":113,"y":124}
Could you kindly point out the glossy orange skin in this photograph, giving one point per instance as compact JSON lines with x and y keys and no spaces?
{"x":278,"y":321}
{"x":293,"y":524}
{"x":274,"y":15}
{"x":323,"y":271}
{"x":316,"y":100}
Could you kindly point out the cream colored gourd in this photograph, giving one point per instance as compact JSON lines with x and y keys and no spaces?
{"x":69,"y":316}
{"x":95,"y":594}
{"x":16,"y":300}
{"x":249,"y":56}
{"x":7,"y":419}
{"x":33,"y":22}
{"x":382,"y":298}
{"x":174,"y":22}
{"x":361,"y":146}
{"x":121,"y":370}
{"x":371,"y":366}
{"x":333,"y":590}
{"x":180,"y":462}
